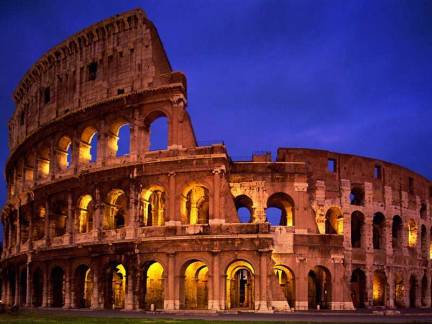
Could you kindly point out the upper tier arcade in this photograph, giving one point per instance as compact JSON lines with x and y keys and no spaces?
{"x":118,"y":56}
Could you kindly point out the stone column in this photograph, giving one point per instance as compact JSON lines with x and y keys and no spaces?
{"x":170,"y":303}
{"x":17,"y":286}
{"x":217,"y":218}
{"x":132,"y":221}
{"x":28,"y":283}
{"x":129,"y":300}
{"x":96,"y":285}
{"x":216,"y":281}
{"x":98,"y":214}
{"x":70,"y":219}
{"x":45,"y":298}
{"x":18,"y":232}
{"x":390,"y":284}
{"x":262,"y":303}
{"x":369,"y":286}
{"x":172,"y":219}
{"x":47,"y":223}
{"x":68,"y":286}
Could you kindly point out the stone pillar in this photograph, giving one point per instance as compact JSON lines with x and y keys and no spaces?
{"x":215,"y":303}
{"x":390,"y":292}
{"x":47,"y":223}
{"x":388,"y":237}
{"x":96,"y":285}
{"x":98,"y":214}
{"x":130,"y":282}
{"x":170,"y":302}
{"x":369,"y":286}
{"x":45,"y":294}
{"x":68,"y":286}
{"x":17,"y":286}
{"x":301,"y":291}
{"x":70,"y":219}
{"x":262,"y":303}
{"x":28,"y":283}
{"x":132,"y":220}
{"x":172,"y":218}
{"x":217,"y":218}
{"x":18,"y":232}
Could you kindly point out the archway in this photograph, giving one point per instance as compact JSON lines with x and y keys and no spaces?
{"x":43,"y":162}
{"x":334,"y":221}
{"x":194,"y":289}
{"x":88,"y":145}
{"x":319,"y":288}
{"x":57,"y":287}
{"x":357,"y":196}
{"x":413,"y":292}
{"x":59,"y":215}
{"x":63,"y":152}
{"x":85,"y":214}
{"x":280,"y":210}
{"x":153,"y":202}
{"x":399,"y":291}
{"x":38,"y":231}
{"x":397,"y":232}
{"x":244,"y":206}
{"x":358,"y":288}
{"x":83,"y":286}
{"x":195,"y":205}
{"x":156,"y":132}
{"x":378,"y":232}
{"x":240,"y":285}
{"x":287,"y":282}
{"x":412,"y":233}
{"x":115,"y":286}
{"x":424,"y":290}
{"x":379,"y":288}
{"x":357,"y":222}
{"x":153,"y":286}
{"x":37,"y":288}
{"x":116,"y":208}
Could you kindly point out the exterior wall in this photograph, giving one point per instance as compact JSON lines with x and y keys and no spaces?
{"x":45,"y":245}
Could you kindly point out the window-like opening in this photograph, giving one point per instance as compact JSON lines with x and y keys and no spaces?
{"x":357,"y":222}
{"x":240,"y":285}
{"x":92,"y":71}
{"x":399,"y":291}
{"x":83,"y":286}
{"x":358,"y":288}
{"x":115,"y":287}
{"x":37,"y":285}
{"x":115,"y":210}
{"x":63,"y":152}
{"x":85,"y":214}
{"x":123,"y":140}
{"x":195,"y":205}
{"x":153,"y":204}
{"x":377,"y":172}
{"x":424,"y":290}
{"x":44,"y":162}
{"x":286,"y":281}
{"x":194,"y":286}
{"x":244,"y":206}
{"x":397,"y":232}
{"x":22,"y":118}
{"x":331,"y":165}
{"x":57,"y":287}
{"x":153,"y":284}
{"x":412,"y":233}
{"x":38,"y":225}
{"x":319,"y":288}
{"x":88,"y":145}
{"x":334,"y":221}
{"x":120,"y":91}
{"x":378,"y":232}
{"x":280,"y":210}
{"x":156,"y":132}
{"x":47,"y":95}
{"x":410,"y":185}
{"x":59,"y":217}
{"x":378,"y":288}
{"x":357,"y":196}
{"x":413,"y":292}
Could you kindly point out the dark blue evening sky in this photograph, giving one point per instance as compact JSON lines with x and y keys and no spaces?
{"x":349,"y":76}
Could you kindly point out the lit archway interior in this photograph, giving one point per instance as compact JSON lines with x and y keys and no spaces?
{"x":379,"y":288}
{"x":83,"y":286}
{"x":115,"y":210}
{"x":412,"y":233}
{"x":115,"y":287}
{"x":85,"y":214}
{"x":195,"y":286}
{"x":153,"y":202}
{"x":240,"y":282}
{"x":287,"y":282}
{"x":334,"y":221}
{"x":63,"y":152}
{"x":153,"y":279}
{"x":195,"y":205}
{"x":86,"y":149}
{"x":319,"y":288}
{"x":399,"y":291}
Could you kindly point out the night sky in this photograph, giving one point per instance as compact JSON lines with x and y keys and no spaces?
{"x":349,"y":76}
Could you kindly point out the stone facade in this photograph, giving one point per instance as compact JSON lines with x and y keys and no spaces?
{"x":84,"y":227}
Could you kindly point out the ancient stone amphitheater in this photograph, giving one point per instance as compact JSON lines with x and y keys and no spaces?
{"x":186,"y":227}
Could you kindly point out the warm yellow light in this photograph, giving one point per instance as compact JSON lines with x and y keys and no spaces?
{"x":412,"y":233}
{"x":155,"y":272}
{"x":194,"y":195}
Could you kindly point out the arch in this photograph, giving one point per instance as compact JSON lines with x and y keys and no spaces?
{"x":37,"y":287}
{"x":195,"y":206}
{"x":319,"y":288}
{"x":334,"y":221}
{"x":115,"y":286}
{"x":118,"y":140}
{"x":59,"y":214}
{"x":356,"y":196}
{"x":240,"y":285}
{"x":115,"y":210}
{"x":245,"y":210}
{"x":412,"y":233}
{"x":413,"y":292}
{"x":379,"y":288}
{"x":194,"y":285}
{"x":286,"y":280}
{"x":153,"y":204}
{"x":399,"y":291}
{"x":29,"y":165}
{"x":357,"y":224}
{"x":424,"y":288}
{"x":423,"y":242}
{"x":44,"y":162}
{"x":84,"y":212}
{"x":88,"y":145}
{"x":63,"y":152}
{"x":83,"y":286}
{"x":397,"y":228}
{"x":57,"y":279}
{"x":153,"y":286}
{"x":280,"y":209}
{"x":378,"y":231}
{"x":156,"y":131}
{"x":358,"y":288}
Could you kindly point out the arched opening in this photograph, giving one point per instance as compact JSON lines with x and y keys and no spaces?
{"x":287,"y":282}
{"x":29,"y":167}
{"x":156,"y":132}
{"x":357,"y":222}
{"x":88,"y":145}
{"x":424,"y":291}
{"x":423,"y":211}
{"x":378,"y":232}
{"x":194,"y":289}
{"x":244,"y":206}
{"x":378,"y":288}
{"x":399,"y":291}
{"x":63,"y":151}
{"x":195,"y":205}
{"x":115,"y":287}
{"x":423,"y":242}
{"x":412,"y":233}
{"x":357,"y":196}
{"x":334,"y":221}
{"x":115,"y":210}
{"x":119,"y":139}
{"x":240,"y":285}
{"x":83,"y":286}
{"x":413,"y":292}
{"x":153,"y":204}
{"x":37,"y":288}
{"x":39,"y":224}
{"x":85,"y":214}
{"x":319,"y":288}
{"x":57,"y":287}
{"x":280,"y":210}
{"x":43,"y":162}
{"x":24,"y":226}
{"x":59,"y":215}
{"x":22,"y":287}
{"x":397,"y":232}
{"x":358,"y":288}
{"x":153,"y":281}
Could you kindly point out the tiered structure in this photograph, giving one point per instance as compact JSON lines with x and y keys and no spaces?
{"x":84,"y":227}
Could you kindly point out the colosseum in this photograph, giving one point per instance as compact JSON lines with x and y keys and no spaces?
{"x":187,"y":227}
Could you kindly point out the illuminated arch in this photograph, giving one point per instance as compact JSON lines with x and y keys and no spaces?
{"x":153,"y":204}
{"x":114,"y":137}
{"x":319,"y":288}
{"x":194,"y":208}
{"x":412,"y":233}
{"x":115,"y":209}
{"x":379,"y":288}
{"x":240,"y":285}
{"x":83,"y":286}
{"x":334,"y":221}
{"x":194,"y":285}
{"x":63,"y":152}
{"x":115,"y":286}
{"x":153,"y":286}
{"x":43,"y":161}
{"x":245,"y":210}
{"x":285,"y":204}
{"x":85,"y":214}
{"x":85,"y":148}
{"x":286,"y":280}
